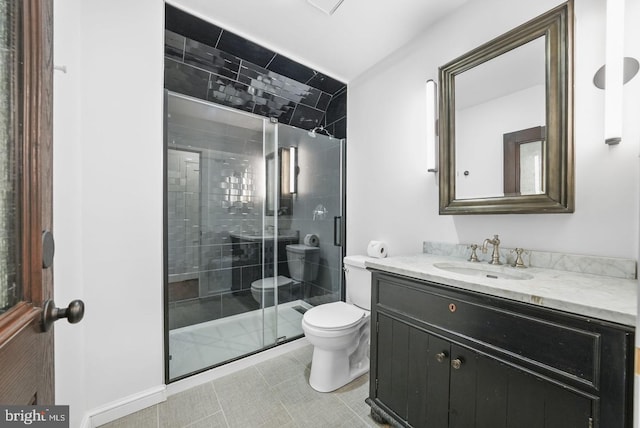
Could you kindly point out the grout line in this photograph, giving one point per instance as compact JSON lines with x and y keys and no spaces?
{"x":270,"y":61}
{"x":215,"y":391}
{"x":218,"y":41}
{"x":288,"y":412}
{"x":206,"y":417}
{"x":353,"y":411}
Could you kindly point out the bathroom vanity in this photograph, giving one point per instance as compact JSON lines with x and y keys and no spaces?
{"x":522,"y":348}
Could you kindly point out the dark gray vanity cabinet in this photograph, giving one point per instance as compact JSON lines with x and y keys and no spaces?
{"x":443,"y":357}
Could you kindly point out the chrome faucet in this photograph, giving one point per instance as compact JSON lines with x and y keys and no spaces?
{"x":495,"y":255}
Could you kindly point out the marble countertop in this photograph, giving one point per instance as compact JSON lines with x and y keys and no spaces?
{"x":601,"y":297}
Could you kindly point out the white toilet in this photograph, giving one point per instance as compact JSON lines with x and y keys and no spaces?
{"x":340,"y":331}
{"x":303,"y":266}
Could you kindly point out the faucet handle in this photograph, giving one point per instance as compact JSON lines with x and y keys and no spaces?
{"x":519,"y":263}
{"x":474,"y":256}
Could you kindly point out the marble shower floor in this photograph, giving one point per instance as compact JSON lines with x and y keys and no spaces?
{"x":272,"y":393}
{"x":195,"y":347}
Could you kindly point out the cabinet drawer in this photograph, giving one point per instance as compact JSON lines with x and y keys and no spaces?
{"x":571,"y":350}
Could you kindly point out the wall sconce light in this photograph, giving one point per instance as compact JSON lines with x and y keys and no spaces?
{"x":288,"y":169}
{"x":293,"y":165}
{"x":432,"y":120}
{"x":613,"y":76}
{"x":616,"y":72}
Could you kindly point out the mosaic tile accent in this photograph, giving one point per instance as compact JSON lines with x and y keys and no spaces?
{"x":595,"y":265}
{"x":246,"y":76}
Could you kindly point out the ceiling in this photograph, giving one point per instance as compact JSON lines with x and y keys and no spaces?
{"x":344,"y":45}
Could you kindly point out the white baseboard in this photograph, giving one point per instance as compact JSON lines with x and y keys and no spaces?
{"x":126,"y":406}
{"x":134,"y":403}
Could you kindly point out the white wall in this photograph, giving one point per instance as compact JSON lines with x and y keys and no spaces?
{"x":390,"y":195}
{"x":479,"y":139}
{"x":108,"y":200}
{"x":70,"y":344}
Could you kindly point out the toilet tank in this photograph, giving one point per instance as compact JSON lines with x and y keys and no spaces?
{"x":303,"y":262}
{"x":357,"y":281}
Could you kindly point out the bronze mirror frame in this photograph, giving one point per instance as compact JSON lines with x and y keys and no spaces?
{"x":557,"y":28}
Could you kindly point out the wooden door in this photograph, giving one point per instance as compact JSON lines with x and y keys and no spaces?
{"x":26,"y":353}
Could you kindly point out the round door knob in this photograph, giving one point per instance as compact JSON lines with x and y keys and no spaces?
{"x":457,"y":363}
{"x":50,"y":314}
{"x":441,"y":356}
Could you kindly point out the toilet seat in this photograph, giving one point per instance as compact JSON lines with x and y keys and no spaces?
{"x":334,"y":316}
{"x":266,"y":284}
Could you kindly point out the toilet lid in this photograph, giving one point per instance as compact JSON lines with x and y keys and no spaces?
{"x":333,"y":316}
{"x":267,"y":283}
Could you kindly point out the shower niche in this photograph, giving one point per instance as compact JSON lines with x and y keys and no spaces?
{"x":239,"y":188}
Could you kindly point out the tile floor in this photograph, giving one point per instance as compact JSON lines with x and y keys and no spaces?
{"x":272,"y":393}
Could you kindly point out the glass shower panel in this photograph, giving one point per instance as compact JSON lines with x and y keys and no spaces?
{"x":310,"y":189}
{"x":270,"y":239}
{"x":183,"y":195}
{"x":216,"y":239}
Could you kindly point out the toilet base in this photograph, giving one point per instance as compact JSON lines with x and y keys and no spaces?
{"x":336,"y":363}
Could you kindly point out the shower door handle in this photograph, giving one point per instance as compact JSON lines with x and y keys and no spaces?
{"x":337,"y":231}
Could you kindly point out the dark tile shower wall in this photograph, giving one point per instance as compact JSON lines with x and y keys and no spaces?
{"x":207,"y":62}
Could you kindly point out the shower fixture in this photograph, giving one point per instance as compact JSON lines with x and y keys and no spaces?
{"x":319,"y":129}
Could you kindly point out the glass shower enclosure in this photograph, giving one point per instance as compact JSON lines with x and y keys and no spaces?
{"x":245,"y":199}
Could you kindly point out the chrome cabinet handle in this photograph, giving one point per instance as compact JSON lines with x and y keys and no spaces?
{"x":50,"y":314}
{"x":457,"y":363}
{"x":441,"y":356}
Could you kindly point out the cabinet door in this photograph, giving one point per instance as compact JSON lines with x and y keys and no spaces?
{"x":392,"y":370}
{"x":428,"y":401}
{"x":485,"y":393}
{"x":413,"y":379}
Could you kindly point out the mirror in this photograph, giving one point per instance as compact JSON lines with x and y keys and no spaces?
{"x":506,"y":128}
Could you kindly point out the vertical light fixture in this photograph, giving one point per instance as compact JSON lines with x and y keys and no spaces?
{"x":288,"y":169}
{"x":293,"y":161}
{"x":432,"y":108}
{"x":285,"y":174}
{"x":614,"y":71}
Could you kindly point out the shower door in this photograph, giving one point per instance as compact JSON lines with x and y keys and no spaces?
{"x":239,"y":189}
{"x":214,"y":234}
{"x":315,"y":162}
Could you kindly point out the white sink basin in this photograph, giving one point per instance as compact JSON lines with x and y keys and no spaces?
{"x":483,"y":270}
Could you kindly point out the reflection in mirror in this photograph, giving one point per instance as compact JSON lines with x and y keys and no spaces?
{"x":506,"y":122}
{"x":281,"y":186}
{"x":492,"y":99}
{"x":523,"y":166}
{"x":530,"y":168}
